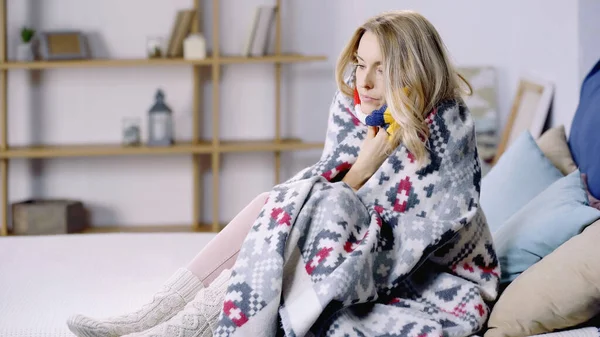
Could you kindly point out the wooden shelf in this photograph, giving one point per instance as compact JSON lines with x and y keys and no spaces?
{"x":108,"y":63}
{"x":203,"y":228}
{"x":257,"y":146}
{"x":100,"y":63}
{"x":180,"y":148}
{"x":100,"y":150}
{"x":289,"y":58}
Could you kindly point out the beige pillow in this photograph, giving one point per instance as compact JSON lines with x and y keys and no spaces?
{"x":560,"y":291}
{"x":553,"y":144}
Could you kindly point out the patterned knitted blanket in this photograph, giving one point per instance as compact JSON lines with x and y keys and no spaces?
{"x":408,"y":254}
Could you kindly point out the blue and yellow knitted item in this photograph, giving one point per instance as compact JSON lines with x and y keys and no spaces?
{"x":382,"y":118}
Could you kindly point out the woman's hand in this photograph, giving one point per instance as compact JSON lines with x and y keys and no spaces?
{"x":374,"y":150}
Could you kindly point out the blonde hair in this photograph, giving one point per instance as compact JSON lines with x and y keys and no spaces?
{"x":414,"y":57}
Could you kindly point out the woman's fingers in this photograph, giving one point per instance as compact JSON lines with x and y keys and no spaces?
{"x":382,"y":134}
{"x":371,"y":131}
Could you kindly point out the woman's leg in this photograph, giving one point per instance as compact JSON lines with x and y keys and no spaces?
{"x":213,"y":267}
{"x":199,"y":318}
{"x":221,"y":252}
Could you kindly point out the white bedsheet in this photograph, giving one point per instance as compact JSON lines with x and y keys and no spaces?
{"x":45,"y":279}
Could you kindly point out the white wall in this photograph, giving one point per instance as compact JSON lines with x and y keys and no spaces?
{"x":534,"y":37}
{"x":589,"y":31}
{"x":69,"y":106}
{"x":86,"y":105}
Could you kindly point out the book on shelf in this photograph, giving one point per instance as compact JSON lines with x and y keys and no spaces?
{"x":184,"y":21}
{"x":259,"y":32}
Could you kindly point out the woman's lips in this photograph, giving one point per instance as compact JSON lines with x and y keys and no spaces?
{"x":368,"y":99}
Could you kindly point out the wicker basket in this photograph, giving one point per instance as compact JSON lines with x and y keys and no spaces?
{"x":48,"y":216}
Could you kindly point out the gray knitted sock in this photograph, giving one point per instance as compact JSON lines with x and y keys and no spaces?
{"x":199,"y":317}
{"x":178,"y":290}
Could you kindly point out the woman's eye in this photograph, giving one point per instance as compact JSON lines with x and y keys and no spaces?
{"x":361,"y":66}
{"x":380,"y":70}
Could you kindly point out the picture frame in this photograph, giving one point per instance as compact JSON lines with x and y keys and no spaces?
{"x":529,"y":111}
{"x":483,"y":105}
{"x":62,"y":45}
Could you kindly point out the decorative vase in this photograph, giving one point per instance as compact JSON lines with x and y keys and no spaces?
{"x":131,"y":131}
{"x":154,"y":47}
{"x":25,"y":52}
{"x":194,"y":47}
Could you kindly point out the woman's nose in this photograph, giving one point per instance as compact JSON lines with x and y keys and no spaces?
{"x":367,"y":83}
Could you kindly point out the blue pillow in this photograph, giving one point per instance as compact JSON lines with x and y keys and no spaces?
{"x":584,"y":139}
{"x":546,"y":222}
{"x":521,"y":173}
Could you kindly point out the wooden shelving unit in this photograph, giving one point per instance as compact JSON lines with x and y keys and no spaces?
{"x":179,"y":148}
{"x":107,"y":63}
{"x":150,"y":229}
{"x":214,"y":147}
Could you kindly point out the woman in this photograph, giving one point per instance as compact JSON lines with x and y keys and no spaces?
{"x":382,"y":236}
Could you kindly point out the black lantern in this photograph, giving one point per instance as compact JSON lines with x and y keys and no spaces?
{"x":160,"y":122}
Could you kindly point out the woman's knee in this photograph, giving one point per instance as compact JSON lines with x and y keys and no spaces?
{"x":261,"y":198}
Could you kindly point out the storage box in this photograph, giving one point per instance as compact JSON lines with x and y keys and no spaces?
{"x":48,"y":216}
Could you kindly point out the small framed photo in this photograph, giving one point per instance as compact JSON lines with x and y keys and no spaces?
{"x":529,"y":111}
{"x":62,"y":45}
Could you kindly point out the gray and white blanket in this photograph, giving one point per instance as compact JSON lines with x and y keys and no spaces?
{"x":408,"y":254}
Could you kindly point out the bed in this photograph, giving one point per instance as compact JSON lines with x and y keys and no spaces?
{"x":45,"y":279}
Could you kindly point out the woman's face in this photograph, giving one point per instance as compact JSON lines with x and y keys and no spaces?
{"x":369,"y":73}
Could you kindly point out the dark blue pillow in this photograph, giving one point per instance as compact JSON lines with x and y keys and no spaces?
{"x":584,"y":138}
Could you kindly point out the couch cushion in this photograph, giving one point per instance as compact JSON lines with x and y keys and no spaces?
{"x":584,"y":139}
{"x":594,"y":202}
{"x":547,"y":221}
{"x":521,"y":173}
{"x":553,"y":144}
{"x":560,"y":291}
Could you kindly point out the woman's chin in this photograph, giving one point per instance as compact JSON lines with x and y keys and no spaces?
{"x":369,"y":108}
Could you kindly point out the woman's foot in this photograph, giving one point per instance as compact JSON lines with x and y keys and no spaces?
{"x":199,"y":317}
{"x":179,"y":289}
